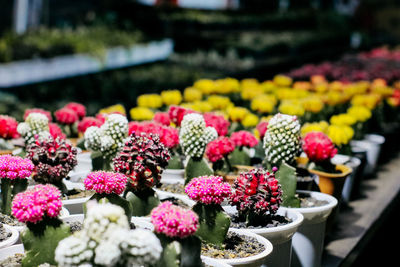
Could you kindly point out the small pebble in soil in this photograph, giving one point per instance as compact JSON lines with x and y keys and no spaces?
{"x":176,"y":188}
{"x":177,"y":202}
{"x":10,"y":220}
{"x":4,"y":234}
{"x":12,"y":261}
{"x":235,"y":246}
{"x":75,"y":226}
{"x":269,"y":222}
{"x":78,"y":194}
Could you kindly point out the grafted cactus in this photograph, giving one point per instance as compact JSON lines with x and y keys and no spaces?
{"x":35,"y":125}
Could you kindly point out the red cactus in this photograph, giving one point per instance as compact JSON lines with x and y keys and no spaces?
{"x":66,"y":116}
{"x":169,"y":136}
{"x":162,"y":118}
{"x":257,"y":191}
{"x":55,"y":131}
{"x":143,"y":159}
{"x":244,"y":139}
{"x":218,"y":122}
{"x":219,"y":148}
{"x":86,"y":122}
{"x":177,"y":113}
{"x":8,"y":127}
{"x":262,"y":128}
{"x":318,"y":147}
{"x":37,"y":110}
{"x":78,"y":108}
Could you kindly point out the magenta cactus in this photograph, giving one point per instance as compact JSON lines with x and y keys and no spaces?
{"x":257,"y":192}
{"x":244,"y":139}
{"x":174,"y":221}
{"x":106,"y":182}
{"x":208,"y":189}
{"x":142,"y":159}
{"x":33,"y":205}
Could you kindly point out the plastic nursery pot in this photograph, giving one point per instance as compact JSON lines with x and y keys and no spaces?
{"x":164,"y":195}
{"x":239,"y":168}
{"x":10,"y":240}
{"x":173,"y":174}
{"x":280,"y":236}
{"x":11,"y":251}
{"x":354,"y":163}
{"x":213,"y":262}
{"x":252,"y":261}
{"x":332,"y":183}
{"x":308,"y":241}
{"x":84,"y":162}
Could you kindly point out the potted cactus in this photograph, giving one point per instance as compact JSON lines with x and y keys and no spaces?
{"x":142,"y":160}
{"x":106,"y":240}
{"x":67,"y":119}
{"x":175,"y":227}
{"x":35,"y":125}
{"x":243,"y":141}
{"x":256,"y":201}
{"x":282,"y":145}
{"x":108,"y":187}
{"x":39,"y":209}
{"x":53,"y":160}
{"x":217,"y":152}
{"x":14,"y":173}
{"x":106,"y":141}
{"x":194,"y":137}
{"x":8,"y":132}
{"x":320,"y":150}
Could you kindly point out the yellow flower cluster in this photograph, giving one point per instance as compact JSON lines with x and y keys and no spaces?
{"x":141,"y":114}
{"x":313,"y":104}
{"x":118,"y":108}
{"x":264,"y":103}
{"x":367,"y":100}
{"x":343,"y":119}
{"x":150,"y":101}
{"x":237,"y":113}
{"x":321,"y":126}
{"x":360,"y":113}
{"x":250,"y":120}
{"x":340,"y":134}
{"x":171,"y":97}
{"x":291,"y":107}
{"x":192,"y":94}
{"x":219,"y":102}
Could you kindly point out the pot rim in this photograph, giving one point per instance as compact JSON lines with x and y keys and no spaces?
{"x":12,"y":239}
{"x":255,"y":258}
{"x":345,"y":171}
{"x":308,"y":210}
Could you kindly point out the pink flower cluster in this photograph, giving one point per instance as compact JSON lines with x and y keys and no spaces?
{"x":244,"y":138}
{"x":257,"y":191}
{"x":87,"y":122}
{"x":13,"y":167}
{"x":177,"y":113}
{"x":169,"y":136}
{"x":218,"y":122}
{"x":208,"y":189}
{"x":219,"y":148}
{"x":262,"y":128}
{"x":37,"y":110}
{"x":8,"y":127}
{"x":55,"y":131}
{"x":106,"y":182}
{"x":174,"y":221}
{"x":162,"y":118}
{"x":79,"y":109}
{"x":32,"y":205}
{"x":318,"y":147}
{"x":66,"y":116}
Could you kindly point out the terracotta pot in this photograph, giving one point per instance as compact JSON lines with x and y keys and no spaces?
{"x":230,"y":178}
{"x":332,"y":183}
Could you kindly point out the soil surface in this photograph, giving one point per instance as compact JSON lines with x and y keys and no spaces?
{"x":10,"y":220}
{"x":4,"y":234}
{"x":177,"y":202}
{"x":270,"y":221}
{"x":307,"y":201}
{"x":176,"y":188}
{"x":79,"y":194}
{"x":16,"y":261}
{"x":75,"y":226}
{"x":235,"y":246}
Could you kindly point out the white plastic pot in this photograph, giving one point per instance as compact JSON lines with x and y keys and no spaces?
{"x":11,"y":251}
{"x":84,"y":162}
{"x":372,"y":144}
{"x":173,"y":174}
{"x":183,"y":197}
{"x":308,"y":241}
{"x":280,"y":236}
{"x":352,"y":162}
{"x":12,"y":239}
{"x":214,"y":262}
{"x":253,"y":261}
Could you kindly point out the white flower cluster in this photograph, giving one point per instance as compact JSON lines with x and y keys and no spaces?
{"x":110,"y":137}
{"x":194,"y":135}
{"x":282,"y":139}
{"x":106,"y":240}
{"x":35,"y":124}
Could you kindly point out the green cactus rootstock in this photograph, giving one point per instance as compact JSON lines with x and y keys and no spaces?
{"x":9,"y":188}
{"x":287,"y":177}
{"x":142,"y":202}
{"x":40,"y":248}
{"x":239,"y":157}
{"x":175,"y":162}
{"x":214,"y":223}
{"x":181,"y":252}
{"x":196,"y":168}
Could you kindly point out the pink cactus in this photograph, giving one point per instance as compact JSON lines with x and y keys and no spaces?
{"x":219,"y":148}
{"x":244,"y":139}
{"x":318,"y":147}
{"x":208,"y":189}
{"x":218,"y":122}
{"x":14,"y":167}
{"x":162,"y":118}
{"x":8,"y":127}
{"x":106,"y":182}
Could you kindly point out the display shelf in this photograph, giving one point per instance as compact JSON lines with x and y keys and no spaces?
{"x":197,"y":4}
{"x":41,"y":70}
{"x":357,"y":223}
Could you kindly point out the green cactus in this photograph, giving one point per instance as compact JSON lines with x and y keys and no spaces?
{"x":175,"y":162}
{"x":142,"y":202}
{"x":287,"y":177}
{"x":239,"y":157}
{"x":214,"y":223}
{"x":195,"y":168}
{"x":9,"y":188}
{"x":100,"y":163}
{"x":39,"y":248}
